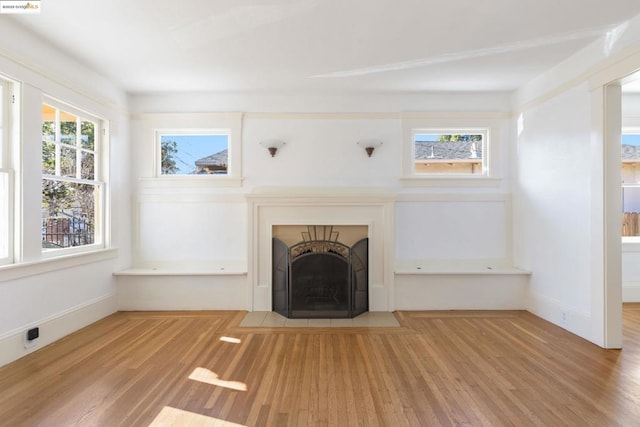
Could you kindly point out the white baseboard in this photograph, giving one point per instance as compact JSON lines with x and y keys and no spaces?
{"x":565,"y":316}
{"x":631,"y":292}
{"x":52,"y":328}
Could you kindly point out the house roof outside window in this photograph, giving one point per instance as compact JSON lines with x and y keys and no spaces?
{"x":220,"y":158}
{"x":452,"y":150}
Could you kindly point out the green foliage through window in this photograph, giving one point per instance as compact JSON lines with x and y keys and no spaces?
{"x":70,"y":192}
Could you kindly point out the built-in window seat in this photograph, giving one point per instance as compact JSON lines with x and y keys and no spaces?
{"x":457,"y":267}
{"x":459,"y":285}
{"x":182,"y":271}
{"x":183,"y":286}
{"x":186,"y":269}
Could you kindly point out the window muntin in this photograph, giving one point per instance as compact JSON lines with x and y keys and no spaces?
{"x":72,"y":195}
{"x":630,"y":156}
{"x":193,"y":153}
{"x":449,"y":152}
{"x":6,"y":175}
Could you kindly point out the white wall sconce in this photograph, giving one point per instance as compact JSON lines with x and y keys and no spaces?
{"x":369,"y":145}
{"x":272,"y":145}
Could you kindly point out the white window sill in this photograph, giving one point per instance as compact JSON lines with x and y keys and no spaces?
{"x":31,"y":268}
{"x":451,"y":181}
{"x":195,"y":181}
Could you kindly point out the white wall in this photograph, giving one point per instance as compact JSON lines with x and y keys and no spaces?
{"x":452,"y":230}
{"x":59,"y":296}
{"x":552,"y":208}
{"x":191,"y":232}
{"x":631,"y":109}
{"x":567,"y":107}
{"x":321,"y":155}
{"x":321,"y":151}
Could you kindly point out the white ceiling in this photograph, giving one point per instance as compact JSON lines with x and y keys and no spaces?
{"x":321,"y":46}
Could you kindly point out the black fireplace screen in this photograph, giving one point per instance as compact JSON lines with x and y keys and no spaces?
{"x":320,"y":279}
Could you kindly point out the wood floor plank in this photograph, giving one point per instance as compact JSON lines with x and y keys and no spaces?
{"x":440,"y":368}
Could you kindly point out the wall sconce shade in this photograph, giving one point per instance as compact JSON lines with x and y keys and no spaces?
{"x":369,"y":145}
{"x":272,"y":145}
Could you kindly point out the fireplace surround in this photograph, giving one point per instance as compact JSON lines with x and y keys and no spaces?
{"x":272,"y":208}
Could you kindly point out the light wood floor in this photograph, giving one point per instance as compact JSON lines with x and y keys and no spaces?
{"x":438,"y":368}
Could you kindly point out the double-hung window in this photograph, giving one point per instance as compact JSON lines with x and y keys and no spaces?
{"x":73,"y":188}
{"x":6,"y":176}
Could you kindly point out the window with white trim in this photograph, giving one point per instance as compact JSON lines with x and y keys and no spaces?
{"x":449,"y":152}
{"x":630,"y":154}
{"x":73,"y":186}
{"x":460,"y":150}
{"x":212,"y":140}
{"x":6,"y":176}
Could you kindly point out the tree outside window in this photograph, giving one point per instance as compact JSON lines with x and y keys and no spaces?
{"x":186,"y":153}
{"x":70,"y":191}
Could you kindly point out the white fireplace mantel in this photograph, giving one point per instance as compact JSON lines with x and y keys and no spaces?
{"x":322,"y":206}
{"x":320,"y":194}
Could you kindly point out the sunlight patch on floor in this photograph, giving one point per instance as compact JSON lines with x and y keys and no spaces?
{"x":173,"y":417}
{"x":204,"y":375}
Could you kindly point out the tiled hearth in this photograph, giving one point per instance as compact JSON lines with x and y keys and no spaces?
{"x":271,"y":319}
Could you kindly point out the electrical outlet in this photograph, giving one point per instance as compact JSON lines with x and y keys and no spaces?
{"x":31,"y":336}
{"x":33,"y":333}
{"x":565,"y":318}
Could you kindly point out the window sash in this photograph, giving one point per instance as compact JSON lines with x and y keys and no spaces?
{"x":96,"y":237}
{"x":78,"y":148}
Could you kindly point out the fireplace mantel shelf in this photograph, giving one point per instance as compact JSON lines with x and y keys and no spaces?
{"x":321,"y":194}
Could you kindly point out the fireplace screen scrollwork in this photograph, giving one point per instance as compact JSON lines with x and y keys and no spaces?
{"x":320,"y":278}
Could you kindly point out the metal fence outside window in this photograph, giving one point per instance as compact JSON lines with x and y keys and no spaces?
{"x":64,"y":232}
